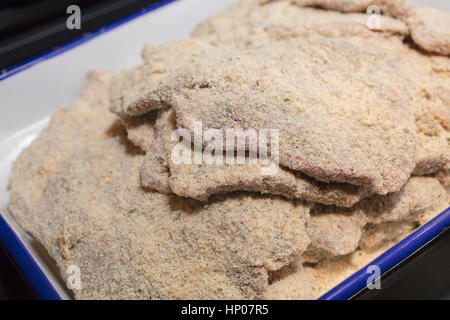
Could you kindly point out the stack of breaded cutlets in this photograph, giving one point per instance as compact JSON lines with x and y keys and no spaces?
{"x":362,"y":108}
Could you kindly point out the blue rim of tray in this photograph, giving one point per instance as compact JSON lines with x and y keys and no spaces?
{"x":345,"y":290}
{"x":8,"y":72}
{"x":9,"y":241}
{"x":390,"y":258}
{"x":25,"y":263}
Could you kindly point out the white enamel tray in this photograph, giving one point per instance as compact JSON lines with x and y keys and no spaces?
{"x":31,"y":91}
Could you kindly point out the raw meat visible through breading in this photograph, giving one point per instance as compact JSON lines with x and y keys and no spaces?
{"x":202,"y":181}
{"x":425,"y":161}
{"x":130,"y":90}
{"x":340,"y":5}
{"x":429,"y":76}
{"x":233,"y":241}
{"x":404,"y":205}
{"x":159,"y":172}
{"x":364,"y":123}
{"x":319,"y":120}
{"x":132,"y":243}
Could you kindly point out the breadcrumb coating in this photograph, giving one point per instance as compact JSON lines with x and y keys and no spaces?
{"x":130,"y":91}
{"x":201,"y":181}
{"x":338,"y":232}
{"x":429,"y":28}
{"x":81,"y":198}
{"x":246,"y":23}
{"x":130,"y":243}
{"x":429,"y":76}
{"x":364,"y":120}
{"x":395,"y":8}
{"x":322,"y":119}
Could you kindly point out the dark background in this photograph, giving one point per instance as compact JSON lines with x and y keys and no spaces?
{"x":29,"y":28}
{"x":11,"y":284}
